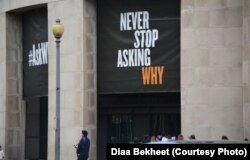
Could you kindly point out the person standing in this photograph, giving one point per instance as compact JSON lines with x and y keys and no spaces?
{"x":224,"y":138}
{"x":192,"y":137}
{"x":1,"y":153}
{"x":82,"y":150}
{"x":180,"y":137}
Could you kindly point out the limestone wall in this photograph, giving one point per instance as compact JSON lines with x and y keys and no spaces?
{"x":8,"y":5}
{"x":71,"y":76}
{"x":78,"y":75}
{"x":15,"y":110}
{"x":246,"y":68}
{"x":211,"y":68}
{"x":2,"y":78}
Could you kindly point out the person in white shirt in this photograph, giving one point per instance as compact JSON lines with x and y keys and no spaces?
{"x":164,"y":137}
{"x":1,"y":153}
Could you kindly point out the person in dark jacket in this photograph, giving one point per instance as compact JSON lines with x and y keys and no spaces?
{"x":192,"y":136}
{"x":224,"y":138}
{"x":82,"y":149}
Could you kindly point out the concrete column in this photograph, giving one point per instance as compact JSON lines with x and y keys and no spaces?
{"x":211,"y":68}
{"x":2,"y":79}
{"x":15,"y":110}
{"x":90,"y":73}
{"x":78,"y":75}
{"x":246,"y":68}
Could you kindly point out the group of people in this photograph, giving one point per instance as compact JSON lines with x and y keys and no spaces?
{"x":226,"y":138}
{"x":164,"y":137}
{"x":1,"y":153}
{"x":82,"y":148}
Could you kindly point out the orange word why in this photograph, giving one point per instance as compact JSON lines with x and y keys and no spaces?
{"x":152,"y":75}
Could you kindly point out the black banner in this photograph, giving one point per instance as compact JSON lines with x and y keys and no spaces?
{"x":138,"y":46}
{"x":35,"y":53}
{"x":177,"y":151}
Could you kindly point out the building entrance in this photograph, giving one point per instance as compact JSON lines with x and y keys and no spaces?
{"x":134,"y":118}
{"x":138,"y":128}
{"x":36,"y":132}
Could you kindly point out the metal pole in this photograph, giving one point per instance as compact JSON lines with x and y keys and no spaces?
{"x":57,"y":136}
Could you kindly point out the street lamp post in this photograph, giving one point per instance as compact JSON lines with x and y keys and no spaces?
{"x":57,"y":29}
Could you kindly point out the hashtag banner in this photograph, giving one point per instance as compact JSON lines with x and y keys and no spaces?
{"x":35,"y":53}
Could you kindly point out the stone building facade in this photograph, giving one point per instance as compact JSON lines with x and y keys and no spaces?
{"x":215,"y":72}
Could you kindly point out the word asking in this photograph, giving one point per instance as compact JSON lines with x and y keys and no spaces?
{"x":133,"y":57}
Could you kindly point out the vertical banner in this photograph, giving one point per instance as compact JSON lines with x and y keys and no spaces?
{"x":138,"y":46}
{"x":35,"y":53}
